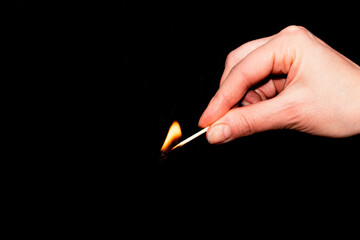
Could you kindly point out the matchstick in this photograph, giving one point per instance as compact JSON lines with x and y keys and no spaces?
{"x":191,"y":138}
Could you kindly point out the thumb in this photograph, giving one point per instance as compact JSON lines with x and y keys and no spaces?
{"x":243,"y":121}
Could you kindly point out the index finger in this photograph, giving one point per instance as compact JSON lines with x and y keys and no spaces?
{"x":240,"y":53}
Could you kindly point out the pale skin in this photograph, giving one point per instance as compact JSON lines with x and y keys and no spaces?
{"x":291,"y":80}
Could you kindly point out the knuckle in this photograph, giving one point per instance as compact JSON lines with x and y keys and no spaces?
{"x":244,"y":125}
{"x":224,"y":100}
{"x":230,"y":59}
{"x":293,"y":29}
{"x":294,"y":32}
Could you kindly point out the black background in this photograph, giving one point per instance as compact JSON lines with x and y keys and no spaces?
{"x":94,"y":87}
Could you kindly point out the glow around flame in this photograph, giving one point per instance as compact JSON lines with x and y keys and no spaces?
{"x":173,"y":135}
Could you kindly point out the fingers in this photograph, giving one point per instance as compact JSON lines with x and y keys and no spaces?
{"x":240,"y":53}
{"x":273,"y":57}
{"x":251,"y":97}
{"x":243,"y":121}
{"x":257,"y":60}
{"x":253,"y":68}
{"x":268,"y":90}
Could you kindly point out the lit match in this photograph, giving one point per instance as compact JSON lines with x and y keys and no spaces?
{"x":174,"y":135}
{"x":191,"y":138}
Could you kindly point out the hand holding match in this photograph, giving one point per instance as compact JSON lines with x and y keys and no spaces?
{"x":283,"y":90}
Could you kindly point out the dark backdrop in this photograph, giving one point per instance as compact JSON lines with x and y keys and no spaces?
{"x":95,"y":86}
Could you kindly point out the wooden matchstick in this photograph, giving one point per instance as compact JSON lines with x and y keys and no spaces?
{"x":191,"y":138}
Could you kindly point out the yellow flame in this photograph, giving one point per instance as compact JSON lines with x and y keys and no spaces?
{"x":173,"y":135}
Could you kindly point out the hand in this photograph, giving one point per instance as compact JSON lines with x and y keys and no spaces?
{"x":289,"y":80}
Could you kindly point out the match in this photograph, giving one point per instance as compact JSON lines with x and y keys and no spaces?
{"x":191,"y":138}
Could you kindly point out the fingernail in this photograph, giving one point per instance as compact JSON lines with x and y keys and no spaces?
{"x":245,"y":103}
{"x":219,"y":134}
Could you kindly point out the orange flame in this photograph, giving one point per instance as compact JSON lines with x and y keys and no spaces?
{"x":173,"y":135}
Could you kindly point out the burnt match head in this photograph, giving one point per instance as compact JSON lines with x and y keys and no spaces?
{"x":164,"y":155}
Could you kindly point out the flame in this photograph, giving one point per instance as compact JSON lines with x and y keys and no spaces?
{"x":173,"y":135}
